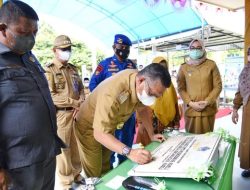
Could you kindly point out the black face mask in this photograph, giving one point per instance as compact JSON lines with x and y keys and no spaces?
{"x":122,"y":53}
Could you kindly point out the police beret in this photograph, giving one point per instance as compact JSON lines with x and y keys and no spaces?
{"x":62,"y":41}
{"x":122,"y":39}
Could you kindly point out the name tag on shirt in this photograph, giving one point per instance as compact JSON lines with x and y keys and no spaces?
{"x":123,"y":97}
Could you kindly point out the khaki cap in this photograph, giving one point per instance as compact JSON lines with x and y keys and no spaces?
{"x":62,"y":41}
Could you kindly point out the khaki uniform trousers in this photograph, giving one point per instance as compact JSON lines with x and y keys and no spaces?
{"x":94,"y":156}
{"x":68,"y":165}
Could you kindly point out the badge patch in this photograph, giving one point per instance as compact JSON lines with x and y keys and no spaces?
{"x":119,"y":126}
{"x":98,"y":70}
{"x":123,"y":97}
{"x":189,"y":73}
{"x":112,"y":64}
{"x":32,"y":59}
{"x":119,"y":40}
{"x":113,"y":70}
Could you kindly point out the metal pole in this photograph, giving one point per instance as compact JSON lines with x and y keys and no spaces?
{"x":201,"y":18}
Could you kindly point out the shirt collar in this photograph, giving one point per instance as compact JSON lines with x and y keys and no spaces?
{"x":4,"y":49}
{"x":132,"y":88}
{"x":59,"y":64}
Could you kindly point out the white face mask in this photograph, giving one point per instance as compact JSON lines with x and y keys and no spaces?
{"x":64,"y":55}
{"x":86,"y":84}
{"x":146,"y":99}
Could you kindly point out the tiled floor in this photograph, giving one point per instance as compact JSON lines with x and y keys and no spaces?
{"x":239,"y":183}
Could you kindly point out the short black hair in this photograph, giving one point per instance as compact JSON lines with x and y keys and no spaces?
{"x":12,"y":10}
{"x":156,"y":71}
{"x":86,"y":78}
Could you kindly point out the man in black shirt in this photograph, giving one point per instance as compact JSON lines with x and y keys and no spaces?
{"x":28,"y":138}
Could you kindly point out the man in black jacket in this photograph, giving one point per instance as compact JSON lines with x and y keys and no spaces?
{"x":28,"y":139}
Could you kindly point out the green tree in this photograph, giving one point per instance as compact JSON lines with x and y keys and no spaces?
{"x":81,"y":55}
{"x":99,"y":56}
{"x":44,"y":43}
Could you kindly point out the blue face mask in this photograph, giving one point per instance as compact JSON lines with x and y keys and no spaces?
{"x":196,"y":53}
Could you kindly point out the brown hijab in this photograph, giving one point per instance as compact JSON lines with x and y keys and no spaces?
{"x":191,"y":61}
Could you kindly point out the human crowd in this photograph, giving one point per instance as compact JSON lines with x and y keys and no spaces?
{"x":53,"y":123}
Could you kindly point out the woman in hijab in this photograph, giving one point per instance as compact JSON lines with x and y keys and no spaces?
{"x":164,"y":113}
{"x":199,"y":85}
{"x":242,"y":98}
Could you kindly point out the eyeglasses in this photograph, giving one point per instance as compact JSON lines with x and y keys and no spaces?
{"x":198,"y":47}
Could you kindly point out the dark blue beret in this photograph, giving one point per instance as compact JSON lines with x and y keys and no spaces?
{"x":122,"y":39}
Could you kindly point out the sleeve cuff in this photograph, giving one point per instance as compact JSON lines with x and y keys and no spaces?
{"x":76,"y":103}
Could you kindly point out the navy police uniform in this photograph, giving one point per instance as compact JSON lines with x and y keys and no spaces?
{"x":107,"y":68}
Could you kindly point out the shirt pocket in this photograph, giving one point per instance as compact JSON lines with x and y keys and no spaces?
{"x":16,"y":80}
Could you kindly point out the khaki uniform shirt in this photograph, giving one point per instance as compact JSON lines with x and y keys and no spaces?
{"x":65,"y":84}
{"x":198,"y":83}
{"x":110,"y":104}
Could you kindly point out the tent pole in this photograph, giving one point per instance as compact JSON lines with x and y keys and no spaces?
{"x":201,"y":18}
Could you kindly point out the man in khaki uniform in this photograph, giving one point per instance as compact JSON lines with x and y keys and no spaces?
{"x":110,"y":105}
{"x":67,"y":93}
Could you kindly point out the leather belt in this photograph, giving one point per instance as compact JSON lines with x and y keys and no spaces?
{"x":65,"y":109}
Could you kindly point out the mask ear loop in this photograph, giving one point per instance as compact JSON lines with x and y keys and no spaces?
{"x":147,"y":86}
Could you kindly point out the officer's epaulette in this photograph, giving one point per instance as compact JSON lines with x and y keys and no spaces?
{"x":49,"y":64}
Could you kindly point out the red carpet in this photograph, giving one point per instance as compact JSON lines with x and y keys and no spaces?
{"x":221,"y":113}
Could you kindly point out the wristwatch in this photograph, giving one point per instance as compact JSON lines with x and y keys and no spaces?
{"x":126,"y":150}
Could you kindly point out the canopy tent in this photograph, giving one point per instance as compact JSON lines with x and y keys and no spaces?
{"x":218,"y":39}
{"x":140,"y":20}
{"x":219,"y":33}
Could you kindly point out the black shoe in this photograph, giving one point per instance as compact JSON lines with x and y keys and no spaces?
{"x":76,"y":185}
{"x":245,"y":173}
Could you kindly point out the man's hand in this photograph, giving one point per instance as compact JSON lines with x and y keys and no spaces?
{"x":75,"y":112}
{"x":235,"y":116}
{"x":158,"y":138}
{"x":3,"y":180}
{"x":140,"y":156}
